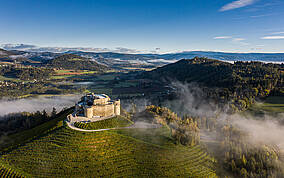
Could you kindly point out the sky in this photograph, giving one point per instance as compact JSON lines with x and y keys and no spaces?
{"x":146,"y":25}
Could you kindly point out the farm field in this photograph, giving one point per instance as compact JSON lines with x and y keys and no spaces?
{"x":61,"y":74}
{"x":75,"y":72}
{"x":106,"y":77}
{"x":272,"y":105}
{"x":3,"y":78}
{"x":118,"y":153}
{"x":108,"y":83}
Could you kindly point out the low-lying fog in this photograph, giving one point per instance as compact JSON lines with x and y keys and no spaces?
{"x":37,"y":104}
{"x":265,"y":129}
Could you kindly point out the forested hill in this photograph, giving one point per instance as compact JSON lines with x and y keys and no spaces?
{"x":75,"y":62}
{"x":5,"y":53}
{"x":206,"y":71}
{"x":214,"y":73}
{"x":240,"y":82}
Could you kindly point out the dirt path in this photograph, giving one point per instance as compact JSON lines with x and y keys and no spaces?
{"x":70,"y":122}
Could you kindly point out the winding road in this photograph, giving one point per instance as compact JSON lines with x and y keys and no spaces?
{"x":71,"y":126}
{"x":71,"y":120}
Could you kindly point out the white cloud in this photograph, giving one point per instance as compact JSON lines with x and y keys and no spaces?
{"x":37,"y":104}
{"x":277,"y":33}
{"x":259,"y":45}
{"x":272,"y":37}
{"x":162,"y":61}
{"x":237,"y":4}
{"x":222,"y":37}
{"x":17,"y":46}
{"x":33,"y":48}
{"x":238,"y":39}
{"x":262,"y":15}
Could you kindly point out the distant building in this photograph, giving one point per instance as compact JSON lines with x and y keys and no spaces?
{"x":97,"y":105}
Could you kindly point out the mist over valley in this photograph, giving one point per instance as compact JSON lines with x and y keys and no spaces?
{"x":142,"y":89}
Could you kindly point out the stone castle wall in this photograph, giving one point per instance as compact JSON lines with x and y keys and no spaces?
{"x":88,"y":112}
{"x":102,"y":106}
{"x":103,"y":110}
{"x":101,"y":101}
{"x":117,"y":107}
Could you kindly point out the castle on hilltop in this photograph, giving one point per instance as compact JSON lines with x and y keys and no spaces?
{"x":97,"y":106}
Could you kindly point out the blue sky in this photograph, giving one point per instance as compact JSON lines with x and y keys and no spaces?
{"x":170,"y":25}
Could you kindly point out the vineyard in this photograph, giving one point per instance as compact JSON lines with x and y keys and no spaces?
{"x":114,"y":122}
{"x":8,"y":172}
{"x":118,"y":153}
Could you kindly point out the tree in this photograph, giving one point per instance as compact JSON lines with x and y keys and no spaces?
{"x":244,"y":173}
{"x":244,"y":160}
{"x":54,"y":112}
{"x":233,"y":166}
{"x":44,"y":114}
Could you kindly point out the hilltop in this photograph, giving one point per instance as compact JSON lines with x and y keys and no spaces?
{"x":75,"y":62}
{"x":215,"y":73}
{"x":129,"y":152}
{"x":239,"y":83}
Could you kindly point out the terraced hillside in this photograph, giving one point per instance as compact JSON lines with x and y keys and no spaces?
{"x":6,"y":171}
{"x":117,"y":153}
{"x":115,"y":122}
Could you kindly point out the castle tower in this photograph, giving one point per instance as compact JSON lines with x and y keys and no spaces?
{"x":88,"y":112}
{"x":117,"y":107}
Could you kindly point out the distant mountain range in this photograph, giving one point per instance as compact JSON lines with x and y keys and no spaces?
{"x":268,"y":57}
{"x":34,"y":48}
{"x":123,"y":57}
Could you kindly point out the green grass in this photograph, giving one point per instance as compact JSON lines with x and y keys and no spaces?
{"x":275,"y":100}
{"x":106,"y":77}
{"x":73,"y":71}
{"x":114,"y":122}
{"x":61,"y":76}
{"x":272,"y":105}
{"x":89,"y":72}
{"x":126,"y":84}
{"x":63,"y":71}
{"x":2,"y":78}
{"x":75,"y":59}
{"x":118,"y":153}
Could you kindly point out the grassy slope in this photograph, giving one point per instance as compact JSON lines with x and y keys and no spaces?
{"x":68,"y":153}
{"x":114,"y":122}
{"x":272,"y":105}
{"x":24,"y":136}
{"x":8,"y":171}
{"x":16,"y":140}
